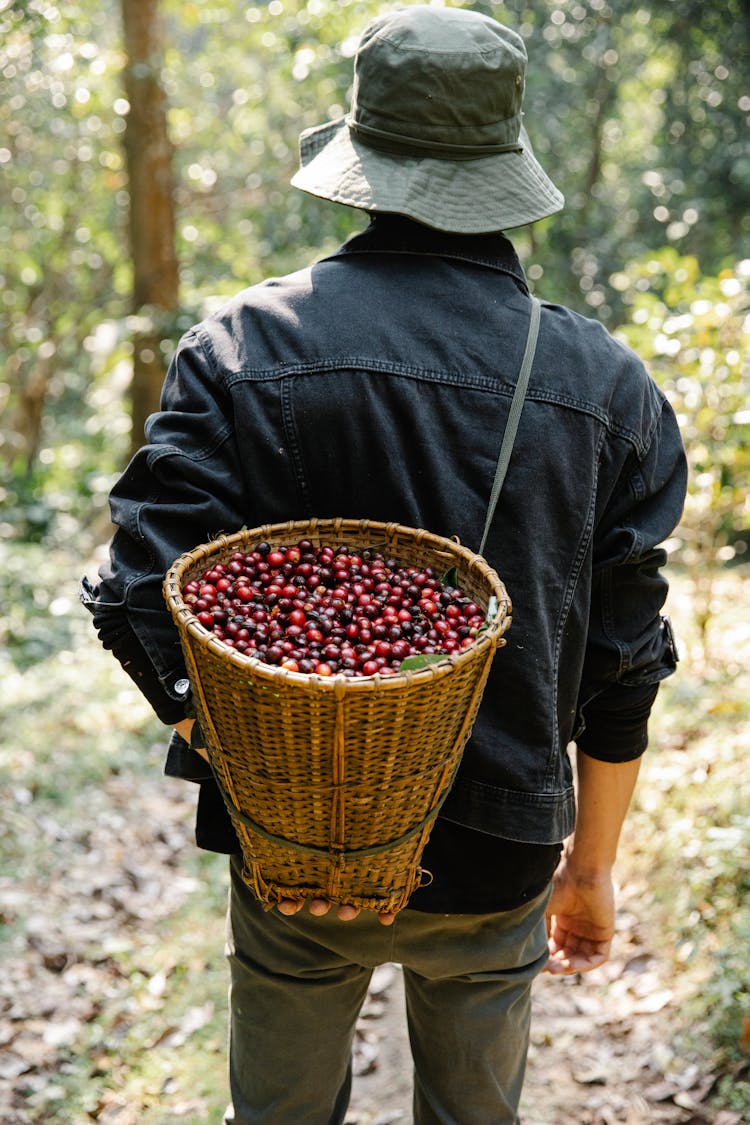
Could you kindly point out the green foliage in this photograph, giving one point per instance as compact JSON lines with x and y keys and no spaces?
{"x":61,"y":244}
{"x":30,"y":626}
{"x":617,"y":107}
{"x":694,"y":332}
{"x":63,"y":491}
{"x":690,"y":832}
{"x":265,"y":72}
{"x":638,"y":110}
{"x":92,"y":841}
{"x":639,"y":115}
{"x":423,"y":660}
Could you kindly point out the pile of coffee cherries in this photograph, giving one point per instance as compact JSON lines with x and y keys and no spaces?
{"x":330,"y":610}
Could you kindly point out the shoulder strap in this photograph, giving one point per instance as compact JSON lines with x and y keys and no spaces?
{"x":514,"y":416}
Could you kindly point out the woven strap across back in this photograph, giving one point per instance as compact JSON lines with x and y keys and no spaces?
{"x":511,"y":426}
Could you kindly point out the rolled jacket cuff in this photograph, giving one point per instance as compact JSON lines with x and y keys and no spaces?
{"x":184,"y":762}
{"x":616,"y":722}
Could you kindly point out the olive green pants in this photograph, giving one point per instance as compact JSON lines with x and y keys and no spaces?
{"x":297,"y":985}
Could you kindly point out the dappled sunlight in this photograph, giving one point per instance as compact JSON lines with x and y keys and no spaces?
{"x":114,"y":918}
{"x":112,"y":989}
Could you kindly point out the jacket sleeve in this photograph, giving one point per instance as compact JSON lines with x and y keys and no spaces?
{"x":630,"y":646}
{"x":181,"y":489}
{"x":117,"y":636}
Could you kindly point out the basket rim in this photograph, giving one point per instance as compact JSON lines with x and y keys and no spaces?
{"x":188,"y":621}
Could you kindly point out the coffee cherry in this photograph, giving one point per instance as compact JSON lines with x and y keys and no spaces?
{"x":326,"y":611}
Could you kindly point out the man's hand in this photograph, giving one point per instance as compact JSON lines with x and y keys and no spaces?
{"x":581,"y":911}
{"x":321,"y":906}
{"x":581,"y":921}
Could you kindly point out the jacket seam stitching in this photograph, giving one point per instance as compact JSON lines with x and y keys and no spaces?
{"x":357,"y":364}
{"x":535,"y":797}
{"x":135,"y":531}
{"x":202,"y":454}
{"x":291,"y":436}
{"x":516,"y":275}
{"x":608,"y":622}
{"x":573,"y":576}
{"x":203,"y":338}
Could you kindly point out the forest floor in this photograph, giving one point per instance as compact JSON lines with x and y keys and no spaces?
{"x":112,"y":982}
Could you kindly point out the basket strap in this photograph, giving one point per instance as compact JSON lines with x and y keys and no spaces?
{"x":514,"y":416}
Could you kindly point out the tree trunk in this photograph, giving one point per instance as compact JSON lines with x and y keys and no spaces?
{"x":605,"y":97}
{"x":152,"y":218}
{"x":32,"y":382}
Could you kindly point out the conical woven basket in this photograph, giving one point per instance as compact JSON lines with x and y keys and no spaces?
{"x":333,"y":784}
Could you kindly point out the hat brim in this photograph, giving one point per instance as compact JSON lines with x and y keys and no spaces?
{"x":498,"y":192}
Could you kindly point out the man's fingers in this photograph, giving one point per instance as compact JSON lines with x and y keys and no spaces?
{"x":576,"y":956}
{"x":347,"y":913}
{"x":319,"y":906}
{"x":562,"y":965}
{"x":289,"y":906}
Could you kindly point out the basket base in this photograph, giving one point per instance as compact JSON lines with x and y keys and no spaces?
{"x":271,"y":894}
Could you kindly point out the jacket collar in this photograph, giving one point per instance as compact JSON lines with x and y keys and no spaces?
{"x":396,"y":234}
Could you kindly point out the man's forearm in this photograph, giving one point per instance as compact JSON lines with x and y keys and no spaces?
{"x":582,"y":907}
{"x":605,"y":790}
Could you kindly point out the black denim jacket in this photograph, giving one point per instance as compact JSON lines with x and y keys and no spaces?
{"x":376,"y":384}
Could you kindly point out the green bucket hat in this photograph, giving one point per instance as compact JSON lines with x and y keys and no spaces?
{"x":434,"y":130}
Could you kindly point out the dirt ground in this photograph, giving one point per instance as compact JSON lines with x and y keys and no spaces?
{"x":602,"y":1048}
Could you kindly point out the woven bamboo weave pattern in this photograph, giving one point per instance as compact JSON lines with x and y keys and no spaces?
{"x":333,"y":783}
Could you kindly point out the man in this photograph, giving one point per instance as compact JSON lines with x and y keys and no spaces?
{"x":377,"y":384}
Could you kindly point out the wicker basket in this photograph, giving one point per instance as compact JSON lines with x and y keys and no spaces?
{"x":333,"y":784}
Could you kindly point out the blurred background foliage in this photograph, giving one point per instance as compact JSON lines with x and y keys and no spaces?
{"x":639,"y":110}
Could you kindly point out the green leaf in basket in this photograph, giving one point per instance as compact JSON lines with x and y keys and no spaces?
{"x":490,"y":615}
{"x":450,"y":578}
{"x":414,"y":663}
